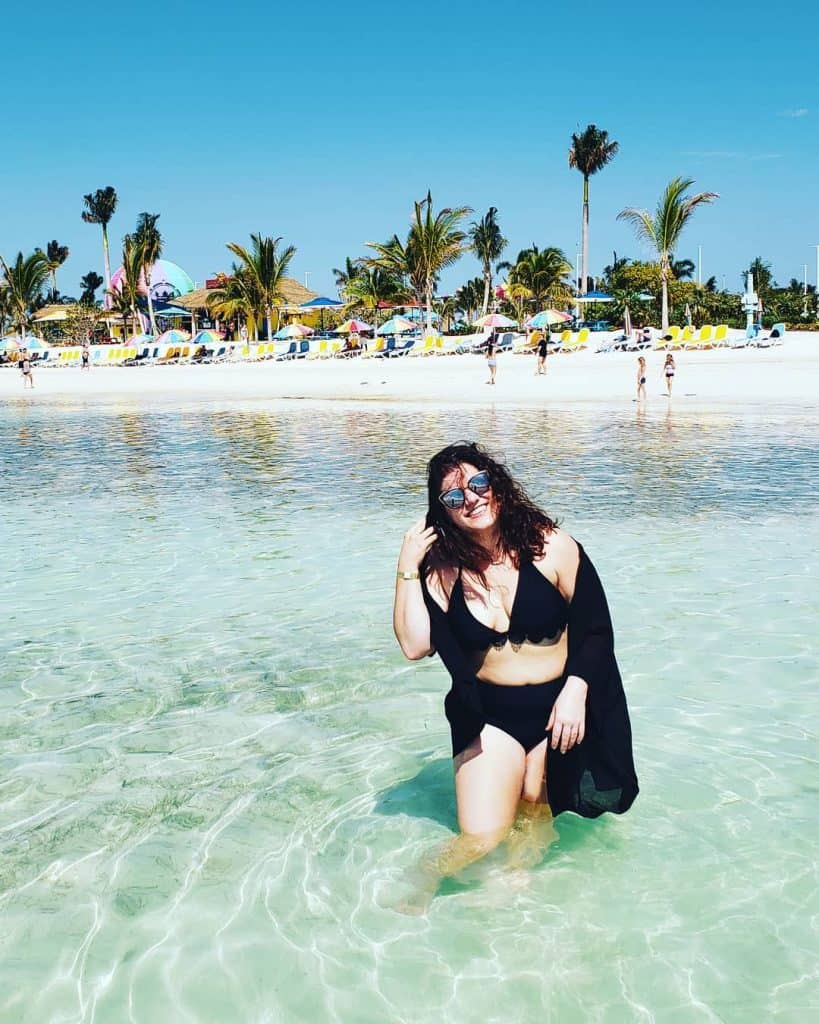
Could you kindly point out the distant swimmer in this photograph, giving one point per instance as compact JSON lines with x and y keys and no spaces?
{"x":641,"y":378}
{"x":668,"y":372}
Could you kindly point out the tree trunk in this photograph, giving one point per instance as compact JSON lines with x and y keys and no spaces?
{"x":487,"y":285}
{"x":429,"y":307}
{"x":106,"y":257}
{"x":53,"y":285}
{"x":665,"y":298}
{"x":269,"y":318}
{"x":585,"y":264}
{"x":147,"y":273}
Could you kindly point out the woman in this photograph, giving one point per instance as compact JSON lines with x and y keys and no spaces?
{"x":641,"y":378}
{"x":516,"y":611}
{"x":491,"y":359}
{"x":25,"y":369}
{"x":668,"y":371}
{"x":542,"y":353}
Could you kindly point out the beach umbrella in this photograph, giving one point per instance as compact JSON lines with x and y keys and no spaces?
{"x":140,"y":339}
{"x":173,"y":312}
{"x":594,"y":297}
{"x":320,"y":302}
{"x":688,"y":314}
{"x":495,"y":320}
{"x":627,"y":321}
{"x":12,"y":342}
{"x":9,"y":344}
{"x":353,"y":325}
{"x":173,"y":337}
{"x":293,"y":331}
{"x":416,"y":313}
{"x":36,"y":345}
{"x":207,"y":338}
{"x":396,"y":325}
{"x":547,"y":318}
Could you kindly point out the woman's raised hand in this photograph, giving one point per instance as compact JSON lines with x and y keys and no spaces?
{"x":418,"y":539}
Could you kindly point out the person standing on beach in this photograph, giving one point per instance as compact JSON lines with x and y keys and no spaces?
{"x":491,"y":359}
{"x":516,"y":611}
{"x":25,"y":368}
{"x":86,"y":355}
{"x":668,"y":372}
{"x":641,"y":378}
{"x":542,"y":352}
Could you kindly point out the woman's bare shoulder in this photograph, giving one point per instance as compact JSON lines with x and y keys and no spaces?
{"x":561,"y":557}
{"x":440,"y":582}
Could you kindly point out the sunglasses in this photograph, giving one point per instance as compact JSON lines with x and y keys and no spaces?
{"x":456,"y":496}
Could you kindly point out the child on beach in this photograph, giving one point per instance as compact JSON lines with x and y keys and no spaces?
{"x":641,"y":378}
{"x":542,"y":352}
{"x":668,"y":370}
{"x":491,"y":360}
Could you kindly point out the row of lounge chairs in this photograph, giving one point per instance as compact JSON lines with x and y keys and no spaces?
{"x":708,"y":336}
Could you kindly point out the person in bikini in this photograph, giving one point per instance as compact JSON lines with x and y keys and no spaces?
{"x":25,"y":368}
{"x":668,"y":373}
{"x":514,"y":608}
{"x":641,"y":378}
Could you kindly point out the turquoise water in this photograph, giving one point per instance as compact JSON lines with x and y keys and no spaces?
{"x":216,"y":766}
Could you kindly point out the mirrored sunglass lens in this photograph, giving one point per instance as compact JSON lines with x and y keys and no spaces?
{"x":453,"y":498}
{"x":479,"y":483}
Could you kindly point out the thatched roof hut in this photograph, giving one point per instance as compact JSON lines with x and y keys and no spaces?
{"x":293,"y":292}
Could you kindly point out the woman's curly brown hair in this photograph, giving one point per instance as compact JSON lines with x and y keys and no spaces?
{"x":521,"y":524}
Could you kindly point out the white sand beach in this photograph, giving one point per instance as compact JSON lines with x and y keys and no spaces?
{"x":788,"y":373}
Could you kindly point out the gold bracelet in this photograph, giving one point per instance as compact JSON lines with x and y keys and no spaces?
{"x":408,"y":575}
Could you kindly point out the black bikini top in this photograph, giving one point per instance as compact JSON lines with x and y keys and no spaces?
{"x":539,"y":612}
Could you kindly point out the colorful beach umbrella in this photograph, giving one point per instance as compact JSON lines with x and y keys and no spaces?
{"x":396,"y":325}
{"x":353,"y":325}
{"x":12,"y":342}
{"x":206,"y":338}
{"x":173,"y":337}
{"x":548,"y":317}
{"x":293,"y":331}
{"x":140,"y":339}
{"x":495,"y":320}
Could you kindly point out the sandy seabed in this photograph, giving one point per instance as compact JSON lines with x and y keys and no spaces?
{"x":782,"y":375}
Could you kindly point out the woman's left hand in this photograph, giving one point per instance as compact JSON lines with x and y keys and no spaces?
{"x":568,"y":718}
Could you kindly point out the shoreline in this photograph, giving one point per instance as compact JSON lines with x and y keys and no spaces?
{"x":783,"y":375}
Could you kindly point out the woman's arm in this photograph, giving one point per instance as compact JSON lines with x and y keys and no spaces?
{"x":567,"y":721}
{"x":410,"y":618}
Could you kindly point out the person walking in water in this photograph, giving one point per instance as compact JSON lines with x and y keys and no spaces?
{"x":668,"y":371}
{"x":641,"y":378}
{"x":542,"y":352}
{"x":491,"y":359}
{"x":25,"y":368}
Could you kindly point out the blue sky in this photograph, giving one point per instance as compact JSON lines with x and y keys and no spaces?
{"x":323,"y":122}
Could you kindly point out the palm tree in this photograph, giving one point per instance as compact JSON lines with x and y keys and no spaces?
{"x":148,"y":240}
{"x":682,"y":269}
{"x":100,"y":207}
{"x":344,"y":277}
{"x":56,"y":255}
{"x":264,"y":268}
{"x":89,"y":284}
{"x":371,"y":287}
{"x":468,"y":298}
{"x":543,"y":274}
{"x":488,"y":244}
{"x":125,"y":298}
{"x":433,"y":243}
{"x":763,"y":278}
{"x":23,"y":284}
{"x":589,"y":153}
{"x":239,"y":299}
{"x":663,"y":230}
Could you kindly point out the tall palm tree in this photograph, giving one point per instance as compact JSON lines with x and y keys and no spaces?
{"x":488,"y":244}
{"x":589,"y":153}
{"x":468,"y":298}
{"x":662,"y":231}
{"x":148,"y":241}
{"x":56,"y":255}
{"x":433,"y":243}
{"x":125,"y":298}
{"x":89,"y":283}
{"x":23,"y":283}
{"x":682,"y":270}
{"x":100,"y":207}
{"x":264,"y":268}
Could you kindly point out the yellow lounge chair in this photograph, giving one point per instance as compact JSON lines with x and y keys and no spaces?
{"x":703,"y":339}
{"x":687,"y":336}
{"x":576,"y":343}
{"x":721,"y":336}
{"x":668,"y":340}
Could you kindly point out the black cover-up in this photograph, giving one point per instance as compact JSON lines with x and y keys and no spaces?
{"x":596,"y":775}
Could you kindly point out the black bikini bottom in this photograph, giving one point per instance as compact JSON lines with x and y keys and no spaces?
{"x":520,"y":711}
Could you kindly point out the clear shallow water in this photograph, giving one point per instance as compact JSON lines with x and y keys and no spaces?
{"x":216,"y":766}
